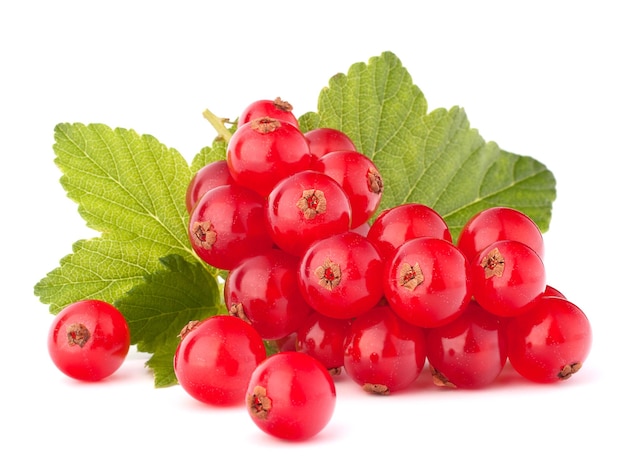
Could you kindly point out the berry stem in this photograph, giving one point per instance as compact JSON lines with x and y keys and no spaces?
{"x":218,"y":123}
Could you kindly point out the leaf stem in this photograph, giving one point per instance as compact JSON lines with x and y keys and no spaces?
{"x":219,"y":124}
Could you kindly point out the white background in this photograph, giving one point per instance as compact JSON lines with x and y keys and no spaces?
{"x":544,"y":79}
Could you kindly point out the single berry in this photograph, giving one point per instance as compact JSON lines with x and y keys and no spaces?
{"x":306,"y":207}
{"x":291,"y":396}
{"x":324,"y":140}
{"x":263,"y":290}
{"x":216,"y":357}
{"x":550,"y":342}
{"x":272,"y":108}
{"x":265,"y":150}
{"x":360,"y":179}
{"x":323,"y":337}
{"x":227,"y":225}
{"x":341,"y":276}
{"x":394,"y":226}
{"x":383,"y":353}
{"x":89,"y":340}
{"x":470,"y":351}
{"x":426,"y":282}
{"x":206,"y":178}
{"x":507,"y":276}
{"x":499,"y":223}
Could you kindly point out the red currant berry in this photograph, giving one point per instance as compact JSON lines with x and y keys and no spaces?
{"x":470,"y":351}
{"x":499,"y":223}
{"x":206,"y":178}
{"x":264,"y":151}
{"x":227,"y":225}
{"x":277,"y":108}
{"x":263,"y":290}
{"x":507,"y":276}
{"x":383,"y":353}
{"x":89,"y":340}
{"x":323,"y":338}
{"x":304,"y":208}
{"x":426,"y":282}
{"x":324,"y":140}
{"x":359,"y":178}
{"x":396,"y":225}
{"x":216,"y":357}
{"x":341,"y":276}
{"x":550,"y":342}
{"x":291,"y":396}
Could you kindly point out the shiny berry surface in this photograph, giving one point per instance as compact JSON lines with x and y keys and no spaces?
{"x":206,"y":178}
{"x":324,"y":140}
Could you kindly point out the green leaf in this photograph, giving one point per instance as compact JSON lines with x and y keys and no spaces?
{"x":158,"y":308}
{"x":131,"y":188}
{"x":432,"y":158}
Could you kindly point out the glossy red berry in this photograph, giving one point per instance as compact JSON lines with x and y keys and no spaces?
{"x":216,"y":357}
{"x":383,"y":353}
{"x":394,"y":226}
{"x":323,"y":338}
{"x":499,"y":223}
{"x":360,"y":179}
{"x":263,"y":290}
{"x":291,"y":396}
{"x":550,"y":342}
{"x":507,"y":276}
{"x":89,"y":340}
{"x":426,"y":282}
{"x":470,"y":351}
{"x":272,"y":108}
{"x":206,"y":178}
{"x":341,"y":276}
{"x":265,"y":150}
{"x":324,"y":140}
{"x":227,"y":225}
{"x":306,"y":207}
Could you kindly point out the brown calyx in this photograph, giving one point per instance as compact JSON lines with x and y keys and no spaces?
{"x":265,"y":125}
{"x":328,"y":274}
{"x":236,"y":310}
{"x":77,"y":334}
{"x":378,"y":389}
{"x":568,"y":370}
{"x":259,"y":403}
{"x":312,"y":203}
{"x":493,"y":263}
{"x":374,"y":181}
{"x":204,"y":234}
{"x":410,"y":277}
{"x":191,"y":325}
{"x":282,"y":105}
{"x":439,"y":379}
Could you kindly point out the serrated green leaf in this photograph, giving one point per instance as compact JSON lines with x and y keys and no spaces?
{"x":432,"y":158}
{"x":131,"y":188}
{"x":158,"y":308}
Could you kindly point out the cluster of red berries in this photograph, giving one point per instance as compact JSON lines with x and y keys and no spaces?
{"x":289,"y":215}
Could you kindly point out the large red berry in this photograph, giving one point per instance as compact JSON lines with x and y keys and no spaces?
{"x":324,"y":140}
{"x":206,"y":178}
{"x":291,"y":396}
{"x":264,"y":151}
{"x":89,"y":340}
{"x":550,"y":342}
{"x":272,"y":108}
{"x":216,"y":357}
{"x":323,"y":337}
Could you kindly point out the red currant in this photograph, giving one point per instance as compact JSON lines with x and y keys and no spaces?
{"x":208,"y":177}
{"x":264,"y":151}
{"x":383,"y":353}
{"x":216,"y":357}
{"x":550,"y":342}
{"x":507,"y":276}
{"x":304,"y":208}
{"x":227,"y":225}
{"x":499,"y":223}
{"x":470,"y":351}
{"x":323,"y":338}
{"x":263,"y":290}
{"x":341,"y":276}
{"x":426,"y":282}
{"x":277,"y":108}
{"x":89,"y":340}
{"x":291,"y":396}
{"x":324,"y":140}
{"x":360,"y":179}
{"x":396,"y":225}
